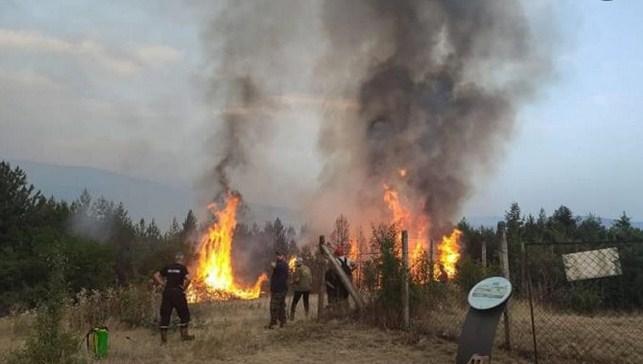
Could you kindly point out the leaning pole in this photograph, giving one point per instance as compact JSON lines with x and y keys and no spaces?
{"x":359,"y":302}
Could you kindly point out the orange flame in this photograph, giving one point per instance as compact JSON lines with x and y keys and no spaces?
{"x":214,"y":278}
{"x":448,"y":250}
{"x":401,"y":215}
{"x":353,"y":252}
{"x":292,"y":264}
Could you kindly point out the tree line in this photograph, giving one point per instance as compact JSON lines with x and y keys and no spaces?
{"x":100,"y":245}
{"x":544,"y":239}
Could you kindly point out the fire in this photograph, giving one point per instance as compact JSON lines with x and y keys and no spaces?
{"x":402,"y":172}
{"x":214,"y":278}
{"x":292,"y":264}
{"x":353,"y":252}
{"x":401,"y":215}
{"x":448,"y":250}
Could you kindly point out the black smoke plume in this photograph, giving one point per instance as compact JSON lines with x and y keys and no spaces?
{"x":437,"y":85}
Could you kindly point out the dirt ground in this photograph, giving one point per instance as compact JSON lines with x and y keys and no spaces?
{"x":234,"y":332}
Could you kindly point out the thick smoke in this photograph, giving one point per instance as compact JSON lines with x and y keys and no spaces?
{"x":437,"y":85}
{"x":256,"y":55}
{"x":431,"y":87}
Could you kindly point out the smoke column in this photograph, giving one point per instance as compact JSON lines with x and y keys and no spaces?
{"x":256,"y":54}
{"x":436,"y":84}
{"x":428,"y":86}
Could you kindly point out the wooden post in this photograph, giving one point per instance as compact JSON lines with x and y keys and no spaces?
{"x":431,"y":264}
{"x":523,"y":272}
{"x":322,"y":283}
{"x":405,"y":280}
{"x":504,"y":250}
{"x":484,"y":255}
{"x":359,"y":302}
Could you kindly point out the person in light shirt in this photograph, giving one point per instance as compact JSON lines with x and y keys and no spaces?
{"x":301,"y":283}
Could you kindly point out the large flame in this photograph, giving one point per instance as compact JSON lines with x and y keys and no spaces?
{"x":418,"y":225}
{"x":214,"y":277}
{"x":449,"y":252}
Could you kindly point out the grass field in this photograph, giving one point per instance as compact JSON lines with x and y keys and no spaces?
{"x":562,"y":337}
{"x":234,"y":332}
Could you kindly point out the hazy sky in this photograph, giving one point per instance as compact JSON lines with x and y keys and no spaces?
{"x":121,"y":87}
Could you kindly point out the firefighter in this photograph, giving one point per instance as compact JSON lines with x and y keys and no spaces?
{"x":302,"y":282}
{"x":174,"y":279}
{"x":278,"y":291}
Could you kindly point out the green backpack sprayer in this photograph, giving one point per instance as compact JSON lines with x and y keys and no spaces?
{"x":97,"y":340}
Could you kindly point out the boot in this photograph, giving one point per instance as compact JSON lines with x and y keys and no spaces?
{"x":184,"y":334}
{"x":163,"y":336}
{"x":292,"y":315}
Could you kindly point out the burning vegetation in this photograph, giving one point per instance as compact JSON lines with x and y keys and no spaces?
{"x":214,"y":277}
{"x":442,"y":257}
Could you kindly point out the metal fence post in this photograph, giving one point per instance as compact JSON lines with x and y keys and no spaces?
{"x":505,"y":270}
{"x":531,"y":302}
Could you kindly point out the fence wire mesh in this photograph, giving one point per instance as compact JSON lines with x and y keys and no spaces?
{"x":587,"y":301}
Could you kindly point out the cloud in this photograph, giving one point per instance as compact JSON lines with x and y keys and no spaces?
{"x":123,"y":63}
{"x":158,"y":55}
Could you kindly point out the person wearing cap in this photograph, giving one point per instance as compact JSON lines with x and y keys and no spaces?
{"x":301,"y":284}
{"x":278,"y":291}
{"x":174,"y":279}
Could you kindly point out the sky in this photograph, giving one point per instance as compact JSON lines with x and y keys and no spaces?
{"x":121,"y":86}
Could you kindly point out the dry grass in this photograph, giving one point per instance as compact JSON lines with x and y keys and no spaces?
{"x":609,"y":337}
{"x":234,"y":332}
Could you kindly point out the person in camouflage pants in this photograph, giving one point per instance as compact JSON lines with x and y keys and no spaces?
{"x":278,"y":291}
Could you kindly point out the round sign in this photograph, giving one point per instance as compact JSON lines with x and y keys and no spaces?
{"x":489,"y":293}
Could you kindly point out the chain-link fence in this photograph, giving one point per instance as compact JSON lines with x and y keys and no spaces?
{"x":572,"y":302}
{"x":587,"y":301}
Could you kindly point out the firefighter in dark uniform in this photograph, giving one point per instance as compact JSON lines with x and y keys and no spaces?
{"x":278,"y":291}
{"x":174,"y":278}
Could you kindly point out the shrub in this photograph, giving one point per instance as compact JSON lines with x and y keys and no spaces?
{"x":49,"y":342}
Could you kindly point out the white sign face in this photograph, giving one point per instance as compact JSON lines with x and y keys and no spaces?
{"x":489,"y":293}
{"x":592,"y":264}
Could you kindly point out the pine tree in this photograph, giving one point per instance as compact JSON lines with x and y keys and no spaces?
{"x":340,"y":236}
{"x":189,"y":226}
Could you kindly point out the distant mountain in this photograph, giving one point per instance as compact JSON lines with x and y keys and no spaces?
{"x":142,"y":198}
{"x":148,"y":199}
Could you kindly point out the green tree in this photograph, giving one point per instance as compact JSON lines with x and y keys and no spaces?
{"x":622,"y":228}
{"x":280,"y":243}
{"x":189,"y":227}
